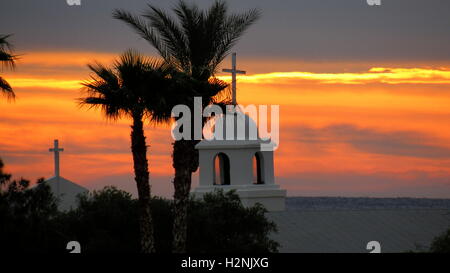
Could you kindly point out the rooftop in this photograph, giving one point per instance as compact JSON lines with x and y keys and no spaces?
{"x":349,"y":230}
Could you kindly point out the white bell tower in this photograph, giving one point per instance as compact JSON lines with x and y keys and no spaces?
{"x":239,"y":163}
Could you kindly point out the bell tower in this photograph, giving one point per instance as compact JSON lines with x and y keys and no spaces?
{"x":238,"y":163}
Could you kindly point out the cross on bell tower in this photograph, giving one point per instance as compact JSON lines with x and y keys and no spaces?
{"x":56,"y":151}
{"x":233,"y":72}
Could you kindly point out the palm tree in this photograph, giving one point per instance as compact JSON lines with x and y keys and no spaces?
{"x":195,"y":42}
{"x":7,"y":59}
{"x":132,"y":88}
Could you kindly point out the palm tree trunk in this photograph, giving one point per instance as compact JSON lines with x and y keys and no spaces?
{"x":139,"y":150}
{"x":185,"y":162}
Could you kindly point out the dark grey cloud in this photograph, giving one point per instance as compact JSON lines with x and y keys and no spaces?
{"x":397,"y":143}
{"x":301,"y":29}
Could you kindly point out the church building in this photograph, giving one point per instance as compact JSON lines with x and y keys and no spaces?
{"x":63,"y":189}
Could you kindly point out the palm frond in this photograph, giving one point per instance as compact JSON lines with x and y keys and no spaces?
{"x":104,"y":91}
{"x":104,"y":75}
{"x":111,"y":110}
{"x":6,"y":89}
{"x":144,"y":30}
{"x":223,"y":93}
{"x":6,"y":57}
{"x":134,"y":84}
{"x":4,"y":43}
{"x":235,"y":27}
{"x":194,"y":42}
{"x":170,"y":34}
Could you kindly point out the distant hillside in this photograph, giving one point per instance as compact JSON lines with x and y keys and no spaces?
{"x":318,"y":203}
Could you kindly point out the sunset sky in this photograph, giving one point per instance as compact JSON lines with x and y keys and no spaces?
{"x":364,"y":94}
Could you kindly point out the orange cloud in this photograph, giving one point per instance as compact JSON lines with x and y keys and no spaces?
{"x":376,"y":74}
{"x":58,"y":59}
{"x":49,"y":83}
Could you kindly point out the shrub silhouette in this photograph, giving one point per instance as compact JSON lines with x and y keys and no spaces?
{"x":107,"y":221}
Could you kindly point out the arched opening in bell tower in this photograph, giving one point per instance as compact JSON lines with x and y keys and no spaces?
{"x":221,"y":169}
{"x":258,"y":169}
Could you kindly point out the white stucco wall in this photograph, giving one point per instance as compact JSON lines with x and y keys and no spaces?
{"x":240,"y":154}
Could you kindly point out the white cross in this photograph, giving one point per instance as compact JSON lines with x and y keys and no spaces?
{"x":233,"y":72}
{"x":56,"y":151}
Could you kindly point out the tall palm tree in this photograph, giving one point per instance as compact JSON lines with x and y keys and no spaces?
{"x":7,"y":59}
{"x":195,"y":42}
{"x":133,"y":88}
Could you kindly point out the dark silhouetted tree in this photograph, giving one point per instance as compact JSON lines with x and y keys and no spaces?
{"x":441,"y":244}
{"x":26,"y":215}
{"x":133,"y":88}
{"x":195,"y":42}
{"x":7,"y":59}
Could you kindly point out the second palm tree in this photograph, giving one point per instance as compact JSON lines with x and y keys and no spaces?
{"x":132,"y":88}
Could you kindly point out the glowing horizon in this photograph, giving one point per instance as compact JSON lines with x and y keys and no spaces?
{"x":387,"y":75}
{"x":379,"y":130}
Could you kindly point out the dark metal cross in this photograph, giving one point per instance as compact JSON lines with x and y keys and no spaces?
{"x":233,"y":72}
{"x":56,"y":151}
